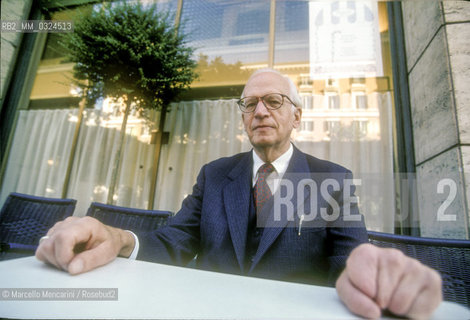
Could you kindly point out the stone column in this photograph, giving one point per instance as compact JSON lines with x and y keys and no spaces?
{"x":437,"y":38}
{"x":11,"y":10}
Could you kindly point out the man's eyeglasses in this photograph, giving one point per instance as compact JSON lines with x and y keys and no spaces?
{"x":271,"y":101}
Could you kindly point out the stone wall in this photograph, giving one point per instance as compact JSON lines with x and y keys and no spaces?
{"x":10,"y":41}
{"x":437,"y":38}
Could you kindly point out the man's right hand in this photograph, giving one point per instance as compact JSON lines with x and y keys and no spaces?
{"x":78,"y":245}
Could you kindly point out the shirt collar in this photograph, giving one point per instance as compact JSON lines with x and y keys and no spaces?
{"x":280,"y":164}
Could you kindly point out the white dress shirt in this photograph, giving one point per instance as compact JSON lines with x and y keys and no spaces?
{"x":135,"y":251}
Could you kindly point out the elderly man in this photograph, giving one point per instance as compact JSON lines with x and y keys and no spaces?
{"x":228,"y":221}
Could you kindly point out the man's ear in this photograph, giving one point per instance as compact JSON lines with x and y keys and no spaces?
{"x":297,"y":117}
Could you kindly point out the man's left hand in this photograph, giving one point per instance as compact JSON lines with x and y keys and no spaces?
{"x":376,"y":279}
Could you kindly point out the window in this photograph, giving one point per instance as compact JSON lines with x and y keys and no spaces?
{"x":360,"y":128}
{"x":336,"y":52}
{"x":308,"y":125}
{"x":333,"y":102}
{"x":332,"y":129}
{"x":361,"y":101}
{"x":231,"y":38}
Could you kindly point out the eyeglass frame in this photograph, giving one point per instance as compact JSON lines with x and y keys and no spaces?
{"x":264,"y":103}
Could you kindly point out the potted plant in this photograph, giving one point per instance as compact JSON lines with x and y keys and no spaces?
{"x":130,"y":52}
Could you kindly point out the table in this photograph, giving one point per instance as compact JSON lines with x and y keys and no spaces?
{"x":150,"y":290}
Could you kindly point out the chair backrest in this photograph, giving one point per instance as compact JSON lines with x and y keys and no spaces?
{"x":128,"y":218}
{"x":24,"y":219}
{"x":450,"y":257}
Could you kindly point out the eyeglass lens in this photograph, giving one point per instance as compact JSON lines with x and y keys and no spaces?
{"x":272,"y":101}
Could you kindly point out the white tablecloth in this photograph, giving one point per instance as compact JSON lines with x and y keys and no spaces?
{"x":149,"y":290}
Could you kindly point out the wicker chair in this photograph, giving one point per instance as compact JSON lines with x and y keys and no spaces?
{"x":128,"y":218}
{"x":24,"y":219}
{"x":450,"y":257}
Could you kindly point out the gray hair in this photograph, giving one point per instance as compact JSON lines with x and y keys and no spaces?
{"x":293,"y":92}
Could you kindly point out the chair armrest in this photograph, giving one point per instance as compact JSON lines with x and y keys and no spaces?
{"x":11,"y":246}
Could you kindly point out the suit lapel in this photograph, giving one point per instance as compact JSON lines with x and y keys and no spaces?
{"x":236,"y":195}
{"x":297,"y":166}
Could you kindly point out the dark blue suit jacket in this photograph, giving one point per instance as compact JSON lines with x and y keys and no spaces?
{"x":213,"y":224}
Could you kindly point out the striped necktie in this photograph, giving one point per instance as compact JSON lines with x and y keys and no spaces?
{"x":261,"y":191}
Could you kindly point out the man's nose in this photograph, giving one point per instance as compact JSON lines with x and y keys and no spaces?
{"x":261,"y":110}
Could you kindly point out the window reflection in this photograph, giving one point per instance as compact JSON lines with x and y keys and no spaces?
{"x":337,"y":52}
{"x":291,"y":32}
{"x":233,"y":31}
